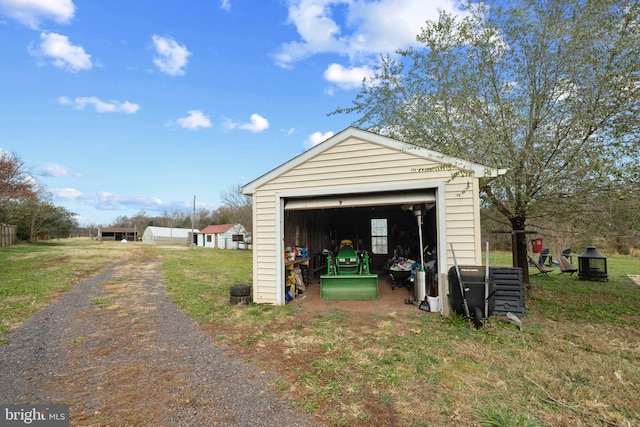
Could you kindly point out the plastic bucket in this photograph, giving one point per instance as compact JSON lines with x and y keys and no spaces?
{"x":434,"y":304}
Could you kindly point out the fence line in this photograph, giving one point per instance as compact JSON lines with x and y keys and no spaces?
{"x":8,"y":234}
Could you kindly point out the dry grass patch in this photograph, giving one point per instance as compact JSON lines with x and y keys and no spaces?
{"x":110,"y":381}
{"x":399,"y":369}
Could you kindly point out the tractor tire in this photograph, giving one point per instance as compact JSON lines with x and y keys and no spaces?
{"x":244,"y":300}
{"x":240,"y":290}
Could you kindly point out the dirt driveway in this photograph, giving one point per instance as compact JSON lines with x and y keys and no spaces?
{"x":120,"y":354}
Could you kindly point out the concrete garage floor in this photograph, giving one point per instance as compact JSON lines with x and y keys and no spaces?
{"x":390,"y":300}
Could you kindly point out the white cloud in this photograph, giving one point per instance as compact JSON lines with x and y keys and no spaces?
{"x":196,"y":119}
{"x":104,"y":200}
{"x":55,"y":170}
{"x":109,"y":201}
{"x":257,"y":124}
{"x":100,"y":106}
{"x":171,"y":57}
{"x":68,"y":194}
{"x":229,"y":124}
{"x":347,"y":78}
{"x":356,"y":28}
{"x":32,"y":12}
{"x":225,"y":5}
{"x":62,"y":53}
{"x":316,"y":138}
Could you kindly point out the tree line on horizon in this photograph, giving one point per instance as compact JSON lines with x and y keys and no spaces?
{"x":236,"y":208}
{"x":25,"y":203}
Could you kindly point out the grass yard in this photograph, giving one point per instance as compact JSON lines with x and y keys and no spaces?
{"x":31,"y":276}
{"x":575,"y":363}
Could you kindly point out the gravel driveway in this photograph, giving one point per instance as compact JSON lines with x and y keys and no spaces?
{"x":117,"y":351}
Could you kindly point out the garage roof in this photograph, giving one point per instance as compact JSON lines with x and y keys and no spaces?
{"x":351,"y":132}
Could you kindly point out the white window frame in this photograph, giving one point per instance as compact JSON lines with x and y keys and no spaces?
{"x":379,"y":236}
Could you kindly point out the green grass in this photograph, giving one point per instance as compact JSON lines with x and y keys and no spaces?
{"x":32,"y":275}
{"x":359,"y":367}
{"x":199,"y":279}
{"x":563,"y":296}
{"x":576,"y":361}
{"x":502,"y":416}
{"x":100,"y":302}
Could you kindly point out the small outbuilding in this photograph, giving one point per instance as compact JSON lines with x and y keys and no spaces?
{"x":368,"y":188}
{"x":365,"y":187}
{"x":223,"y":236}
{"x":168,"y":236}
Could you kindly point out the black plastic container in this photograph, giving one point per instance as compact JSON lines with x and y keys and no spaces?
{"x":473,"y":280}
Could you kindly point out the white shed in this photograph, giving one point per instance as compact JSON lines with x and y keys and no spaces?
{"x":167,"y":236}
{"x":223,"y":236}
{"x":358,"y":185}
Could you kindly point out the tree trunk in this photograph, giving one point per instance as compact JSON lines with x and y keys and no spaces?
{"x":519,"y":245}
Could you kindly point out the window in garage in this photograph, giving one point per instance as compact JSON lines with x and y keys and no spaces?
{"x":379,"y":239}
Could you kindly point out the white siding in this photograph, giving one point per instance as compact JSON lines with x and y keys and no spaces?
{"x":368,"y":165}
{"x":463,"y":217}
{"x":264,"y":248}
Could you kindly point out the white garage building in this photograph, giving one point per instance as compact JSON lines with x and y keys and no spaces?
{"x":357,"y":185}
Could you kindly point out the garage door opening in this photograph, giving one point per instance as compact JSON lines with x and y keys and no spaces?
{"x":381,"y":224}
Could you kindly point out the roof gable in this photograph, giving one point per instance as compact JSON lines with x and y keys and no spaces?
{"x":369,"y":137}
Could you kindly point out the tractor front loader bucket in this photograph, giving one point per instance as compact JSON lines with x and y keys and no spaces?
{"x":349,"y":287}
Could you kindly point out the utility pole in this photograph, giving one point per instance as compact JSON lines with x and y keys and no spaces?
{"x":193,"y":216}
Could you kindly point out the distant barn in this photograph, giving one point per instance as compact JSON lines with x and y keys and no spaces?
{"x":117,"y":234}
{"x":167,"y":236}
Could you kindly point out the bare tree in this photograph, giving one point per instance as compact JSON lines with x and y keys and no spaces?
{"x":15,"y":179}
{"x":236,"y":207}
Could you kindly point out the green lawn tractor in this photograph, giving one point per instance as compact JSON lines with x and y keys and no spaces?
{"x":348,"y":276}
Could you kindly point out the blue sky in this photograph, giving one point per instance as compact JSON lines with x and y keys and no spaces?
{"x":122,"y":106}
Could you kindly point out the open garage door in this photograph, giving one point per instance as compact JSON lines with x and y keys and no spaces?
{"x":352,"y":200}
{"x":320,"y":222}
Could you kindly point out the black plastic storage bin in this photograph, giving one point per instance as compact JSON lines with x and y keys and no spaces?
{"x":473,"y":278}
